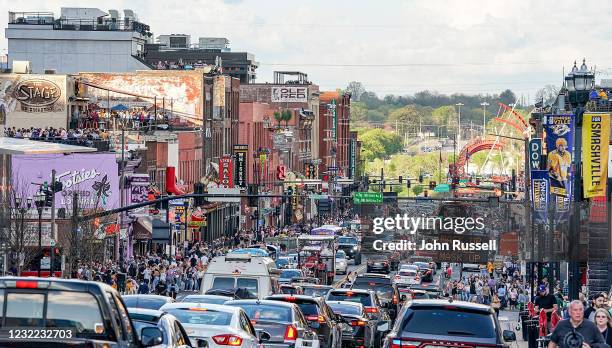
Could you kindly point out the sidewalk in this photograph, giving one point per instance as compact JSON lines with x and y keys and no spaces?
{"x":508,"y":321}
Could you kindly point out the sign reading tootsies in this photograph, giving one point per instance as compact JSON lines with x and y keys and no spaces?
{"x":94,"y":177}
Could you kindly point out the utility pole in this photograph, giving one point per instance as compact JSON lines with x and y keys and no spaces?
{"x":53,"y":236}
{"x":484,"y":117}
{"x":122,"y":194}
{"x":459,"y":122}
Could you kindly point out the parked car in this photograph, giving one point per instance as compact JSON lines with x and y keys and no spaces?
{"x":319,"y":316}
{"x":92,"y":311}
{"x":214,"y":299}
{"x":457,"y":324}
{"x":219,"y":325}
{"x":174,"y":335}
{"x":283,"y":321}
{"x":146,"y":301}
{"x":341,"y":262}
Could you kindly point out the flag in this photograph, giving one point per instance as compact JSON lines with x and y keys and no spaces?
{"x":596,"y":137}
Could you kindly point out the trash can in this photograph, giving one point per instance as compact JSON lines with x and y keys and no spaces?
{"x":532,"y":333}
{"x":524,"y":316}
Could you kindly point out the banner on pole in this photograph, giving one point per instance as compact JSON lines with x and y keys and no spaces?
{"x":596,"y":138}
{"x":540,"y":195}
{"x":560,"y":145}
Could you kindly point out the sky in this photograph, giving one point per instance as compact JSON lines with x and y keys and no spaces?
{"x":391,"y":46}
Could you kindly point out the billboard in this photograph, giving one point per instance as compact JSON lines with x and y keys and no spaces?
{"x":94,"y":177}
{"x":23,"y":98}
{"x":596,"y":138}
{"x":240,"y":158}
{"x":559,"y":143}
{"x":178,"y":91}
{"x":352,"y":158}
{"x":289,"y":94}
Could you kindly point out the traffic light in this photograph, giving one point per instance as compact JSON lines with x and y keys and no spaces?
{"x":420,"y":179}
{"x":400,"y":179}
{"x":408,"y":183}
{"x":425,"y":193}
{"x":432,"y":185}
{"x":57,"y":186}
{"x":48,"y":198}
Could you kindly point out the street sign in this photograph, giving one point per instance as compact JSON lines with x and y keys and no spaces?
{"x":318,"y":197}
{"x":442,"y":188}
{"x":367,"y":197}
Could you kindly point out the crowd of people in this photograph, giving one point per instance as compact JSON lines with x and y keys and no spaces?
{"x":57,"y":134}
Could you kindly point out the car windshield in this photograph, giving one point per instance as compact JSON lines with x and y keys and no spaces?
{"x":223,"y":283}
{"x":435,"y":320}
{"x":201,"y":299}
{"x":290,"y":273}
{"x":201,"y":316}
{"x":345,"y":309}
{"x":266,"y":312}
{"x":340,"y":254}
{"x":363,"y":298}
{"x":347,"y":240}
{"x":317,"y":292}
{"x":309,"y":308}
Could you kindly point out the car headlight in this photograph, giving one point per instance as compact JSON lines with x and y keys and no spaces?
{"x":355,"y":247}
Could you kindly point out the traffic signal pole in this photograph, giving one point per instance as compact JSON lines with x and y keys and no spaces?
{"x":52,"y":237}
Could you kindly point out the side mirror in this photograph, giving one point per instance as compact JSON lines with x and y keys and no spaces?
{"x":151,"y":336}
{"x":263,"y":336}
{"x":383,"y":326}
{"x":509,"y":336}
{"x":202,"y":344}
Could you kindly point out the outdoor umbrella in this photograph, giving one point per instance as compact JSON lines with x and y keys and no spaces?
{"x":119,"y":107}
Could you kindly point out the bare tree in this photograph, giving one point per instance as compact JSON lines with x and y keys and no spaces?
{"x":548,"y":94}
{"x":356,"y":89}
{"x":18,"y":227}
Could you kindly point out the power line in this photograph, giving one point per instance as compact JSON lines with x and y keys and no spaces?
{"x":397,"y":65}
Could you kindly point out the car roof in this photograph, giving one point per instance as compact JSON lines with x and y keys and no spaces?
{"x":150,"y":296}
{"x":357,"y":291}
{"x":456,"y":304}
{"x":55,"y":283}
{"x":219,"y":297}
{"x":214,"y":307}
{"x":262,"y":302}
{"x":373,"y":275}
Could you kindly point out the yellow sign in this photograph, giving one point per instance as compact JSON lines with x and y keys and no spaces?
{"x":596,"y":137}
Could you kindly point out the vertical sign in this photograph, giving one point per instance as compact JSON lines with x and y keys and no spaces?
{"x":596,"y":137}
{"x":540,"y":194}
{"x":334,"y":120}
{"x":218,"y":96}
{"x":352,"y":158}
{"x":535,"y":153}
{"x":263,"y":158}
{"x":240,"y":159}
{"x":560,"y":146}
{"x":226,"y":174}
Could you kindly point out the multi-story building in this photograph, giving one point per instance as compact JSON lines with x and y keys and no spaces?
{"x":300,"y":140}
{"x":81,"y":39}
{"x":334,"y":138}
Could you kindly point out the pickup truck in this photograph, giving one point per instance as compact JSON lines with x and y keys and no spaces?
{"x":67,"y":312}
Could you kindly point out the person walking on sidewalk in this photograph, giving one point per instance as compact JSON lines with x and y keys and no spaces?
{"x":576,"y":332}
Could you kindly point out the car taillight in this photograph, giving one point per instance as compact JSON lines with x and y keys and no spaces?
{"x":227,"y":340}
{"x":290,"y":333}
{"x":398,"y":276}
{"x":318,"y":318}
{"x":371,"y":310}
{"x":402,"y":343}
{"x":358,"y":323}
{"x":26,"y":284}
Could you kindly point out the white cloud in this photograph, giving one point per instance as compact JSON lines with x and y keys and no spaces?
{"x":483,"y":46}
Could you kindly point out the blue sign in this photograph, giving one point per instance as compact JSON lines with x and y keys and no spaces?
{"x":540,"y":192}
{"x":535,"y":153}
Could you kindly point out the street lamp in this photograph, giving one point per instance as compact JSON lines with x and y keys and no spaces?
{"x":40,"y":204}
{"x":484,"y":117}
{"x":578,"y":83}
{"x":459,"y":121}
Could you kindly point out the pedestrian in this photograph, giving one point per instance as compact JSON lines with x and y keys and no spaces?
{"x":603,"y":320}
{"x":496,"y":304}
{"x":576,"y":331}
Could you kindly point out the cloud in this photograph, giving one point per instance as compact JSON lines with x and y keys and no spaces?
{"x":393,"y":46}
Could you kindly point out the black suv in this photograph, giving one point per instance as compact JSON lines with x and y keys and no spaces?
{"x":352,"y":248}
{"x":385,"y":289}
{"x":320,"y":317}
{"x":93,"y":313}
{"x":425,"y":323}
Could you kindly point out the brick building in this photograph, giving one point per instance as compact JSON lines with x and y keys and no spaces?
{"x":334,"y":137}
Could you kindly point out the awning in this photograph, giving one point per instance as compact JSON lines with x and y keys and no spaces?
{"x":142,"y":228}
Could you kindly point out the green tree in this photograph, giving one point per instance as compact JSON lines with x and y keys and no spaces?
{"x":417,"y":189}
{"x":359,"y":112}
{"x":379,"y":143}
